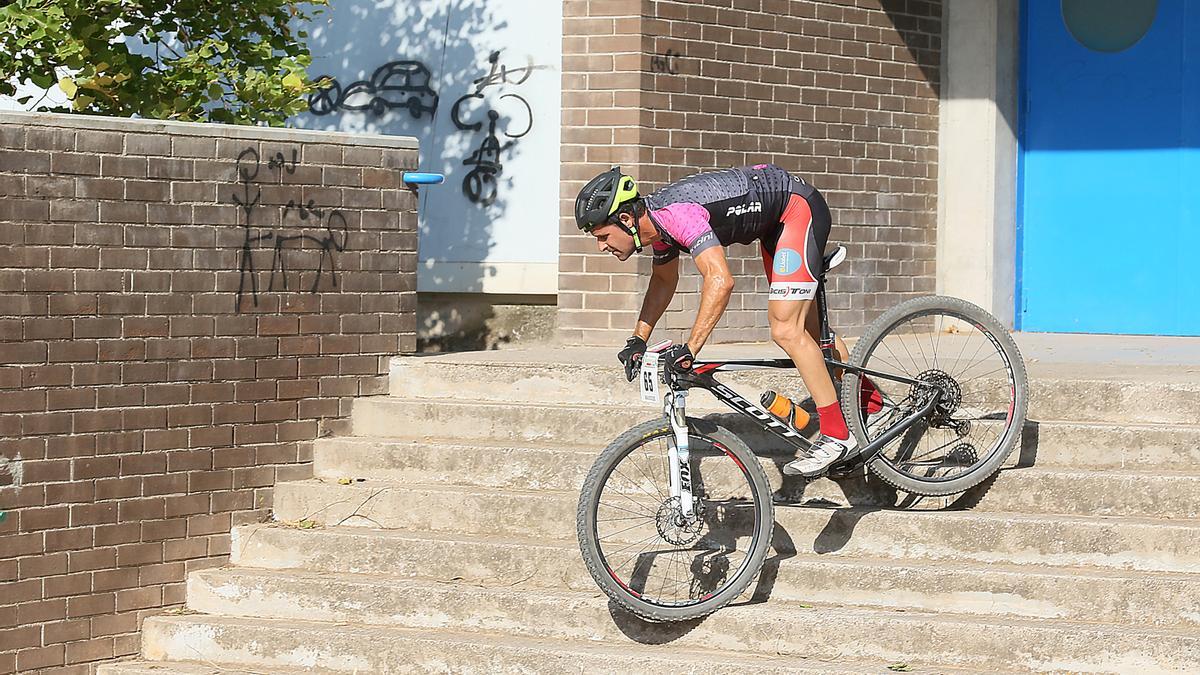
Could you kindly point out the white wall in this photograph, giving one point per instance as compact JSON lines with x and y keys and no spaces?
{"x":510,"y":245}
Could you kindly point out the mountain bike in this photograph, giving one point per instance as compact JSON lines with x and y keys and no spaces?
{"x":675,"y":517}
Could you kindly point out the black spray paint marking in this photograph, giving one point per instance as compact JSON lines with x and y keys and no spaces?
{"x":665,"y":63}
{"x":329,"y":221}
{"x":480,"y":185}
{"x":396,"y":84}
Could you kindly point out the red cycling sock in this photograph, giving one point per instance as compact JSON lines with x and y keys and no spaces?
{"x":832,"y":422}
{"x":869,"y":397}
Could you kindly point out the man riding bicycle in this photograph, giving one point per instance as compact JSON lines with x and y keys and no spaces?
{"x":701,"y":214}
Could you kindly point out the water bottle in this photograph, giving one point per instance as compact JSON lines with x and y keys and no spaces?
{"x":783,"y":408}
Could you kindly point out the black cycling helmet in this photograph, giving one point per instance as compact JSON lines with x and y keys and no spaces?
{"x":602,"y":196}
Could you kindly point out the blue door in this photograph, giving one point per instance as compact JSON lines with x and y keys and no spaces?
{"x":1110,"y":170}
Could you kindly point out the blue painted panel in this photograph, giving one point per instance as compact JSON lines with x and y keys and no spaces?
{"x":1110,"y":168}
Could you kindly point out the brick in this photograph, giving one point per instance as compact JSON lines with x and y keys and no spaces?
{"x":122,"y":212}
{"x":113,"y":624}
{"x":171,"y":168}
{"x":79,"y":164}
{"x":123,"y":167}
{"x":147,"y":190}
{"x":67,"y":631}
{"x":159,"y":530}
{"x":69,"y":585}
{"x":95,"y":559}
{"x":147,"y":144}
{"x":102,"y":142}
{"x":34,"y":161}
{"x":139,"y":554}
{"x":90,"y":605}
{"x":184,"y":146}
{"x":42,"y":611}
{"x":23,"y":210}
{"x":42,"y":657}
{"x":109,"y":535}
{"x":110,"y":580}
{"x":42,"y":566}
{"x":52,"y":187}
{"x":91,"y":650}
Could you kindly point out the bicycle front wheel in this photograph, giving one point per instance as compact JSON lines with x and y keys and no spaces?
{"x":641,"y":549}
{"x":962,"y":352}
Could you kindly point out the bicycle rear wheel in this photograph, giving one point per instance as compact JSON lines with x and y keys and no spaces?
{"x":640,"y":549}
{"x":973,"y":362}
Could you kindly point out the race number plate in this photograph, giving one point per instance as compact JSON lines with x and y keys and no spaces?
{"x":649,"y":376}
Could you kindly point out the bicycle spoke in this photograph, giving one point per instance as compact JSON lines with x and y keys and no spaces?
{"x":975,"y":383}
{"x":646,"y":542}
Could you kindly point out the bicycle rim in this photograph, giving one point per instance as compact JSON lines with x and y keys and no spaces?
{"x":976,"y":414}
{"x":655,"y":554}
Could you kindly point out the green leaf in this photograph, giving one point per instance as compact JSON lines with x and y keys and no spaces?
{"x":68,"y":86}
{"x":293,"y":81}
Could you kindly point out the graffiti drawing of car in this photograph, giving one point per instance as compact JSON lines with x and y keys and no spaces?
{"x":398,"y":84}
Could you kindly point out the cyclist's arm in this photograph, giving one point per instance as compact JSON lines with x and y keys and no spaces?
{"x":714,"y":296}
{"x":664,"y":277}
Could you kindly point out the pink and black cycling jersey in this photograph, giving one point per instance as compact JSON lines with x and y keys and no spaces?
{"x":720,"y":208}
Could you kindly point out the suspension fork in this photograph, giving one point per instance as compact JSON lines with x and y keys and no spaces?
{"x":679,"y":455}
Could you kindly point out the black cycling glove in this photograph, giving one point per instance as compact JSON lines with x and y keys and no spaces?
{"x":631,"y":356}
{"x":678,"y":359}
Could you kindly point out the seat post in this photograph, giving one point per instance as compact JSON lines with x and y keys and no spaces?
{"x":827,"y":341}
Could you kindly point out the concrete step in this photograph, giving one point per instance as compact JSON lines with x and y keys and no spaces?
{"x":531,"y":466}
{"x":1127,"y":395}
{"x":1071,"y":594}
{"x":1122,"y":543}
{"x":1094,"y":446}
{"x":192,"y":668}
{"x":747,"y":628}
{"x":268,"y":645}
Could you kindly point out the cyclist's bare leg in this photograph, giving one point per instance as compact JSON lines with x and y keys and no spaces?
{"x":789,"y":321}
{"x":812,"y":323}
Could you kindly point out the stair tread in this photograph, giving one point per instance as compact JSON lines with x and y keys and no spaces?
{"x":319,"y":580}
{"x":690,"y":656}
{"x":375,"y":485}
{"x":195,"y":668}
{"x":847,"y":560}
{"x":710,"y":406}
{"x":593,"y":451}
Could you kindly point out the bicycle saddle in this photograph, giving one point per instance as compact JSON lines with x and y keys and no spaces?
{"x":835,"y":258}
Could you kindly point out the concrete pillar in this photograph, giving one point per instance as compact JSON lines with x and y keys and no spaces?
{"x":977,"y":205}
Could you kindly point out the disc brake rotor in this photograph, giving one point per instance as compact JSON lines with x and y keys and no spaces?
{"x":673,"y":527}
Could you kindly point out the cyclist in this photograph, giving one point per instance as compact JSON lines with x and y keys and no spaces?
{"x":701,"y":214}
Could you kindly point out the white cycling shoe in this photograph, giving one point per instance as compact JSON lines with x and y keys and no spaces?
{"x":824,"y":453}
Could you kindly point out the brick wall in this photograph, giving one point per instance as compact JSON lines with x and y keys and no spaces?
{"x":156,"y":378}
{"x":842,"y":92}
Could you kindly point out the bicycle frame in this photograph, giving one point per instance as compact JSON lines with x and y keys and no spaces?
{"x":701,"y":376}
